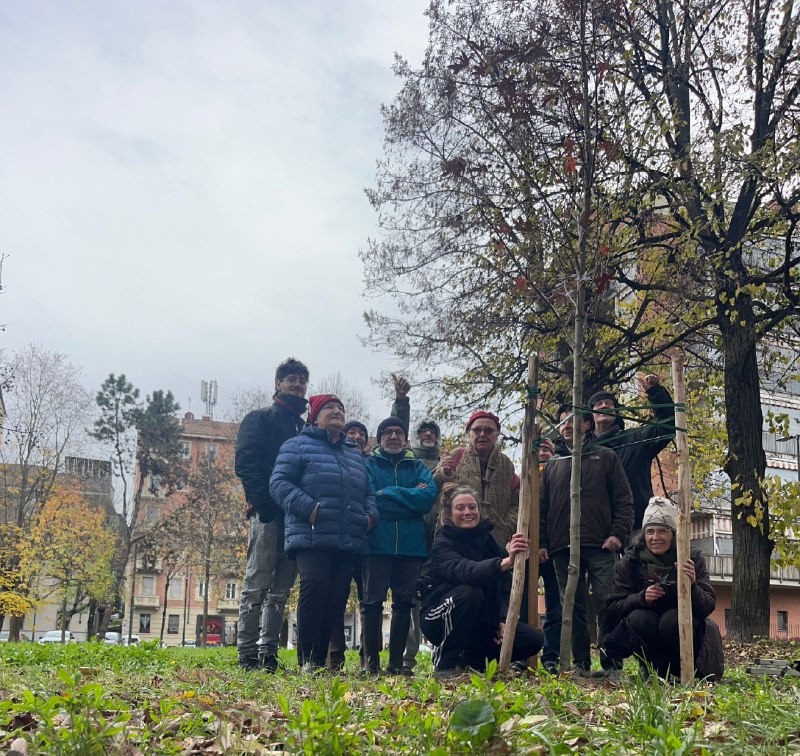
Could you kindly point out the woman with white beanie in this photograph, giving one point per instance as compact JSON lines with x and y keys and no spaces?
{"x":644,"y":596}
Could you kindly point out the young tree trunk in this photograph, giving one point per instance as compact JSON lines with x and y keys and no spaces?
{"x":573,"y":570}
{"x":206,"y":581}
{"x":164,"y":610}
{"x":745,"y":466}
{"x":132,"y":595}
{"x":64,"y":620}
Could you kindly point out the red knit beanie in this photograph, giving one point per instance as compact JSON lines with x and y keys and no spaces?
{"x":317,"y":402}
{"x":483,"y":413}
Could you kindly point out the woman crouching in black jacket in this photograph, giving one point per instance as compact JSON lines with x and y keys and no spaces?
{"x":464,"y":614}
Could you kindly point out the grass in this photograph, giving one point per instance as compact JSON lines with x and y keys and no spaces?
{"x":86,"y":699}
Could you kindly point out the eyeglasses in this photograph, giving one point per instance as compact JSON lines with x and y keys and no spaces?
{"x":396,"y":433}
{"x":657,"y":531}
{"x":483,"y":431}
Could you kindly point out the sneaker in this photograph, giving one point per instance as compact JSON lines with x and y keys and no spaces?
{"x":551,"y":668}
{"x":446,"y":673}
{"x":614,"y":676}
{"x":519,"y":667}
{"x":580,"y":672}
{"x":249,"y":665}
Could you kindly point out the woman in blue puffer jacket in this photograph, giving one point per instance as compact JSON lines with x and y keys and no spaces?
{"x":321,"y":483}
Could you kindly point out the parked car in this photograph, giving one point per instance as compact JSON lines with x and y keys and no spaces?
{"x":134,"y":639}
{"x":4,"y":636}
{"x":111,"y":638}
{"x":54,"y":636}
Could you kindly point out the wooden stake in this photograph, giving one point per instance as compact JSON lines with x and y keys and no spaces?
{"x":528,"y":513}
{"x":684,"y":521}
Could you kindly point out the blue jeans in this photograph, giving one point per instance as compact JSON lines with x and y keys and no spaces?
{"x":268,"y":578}
{"x":600,"y":565}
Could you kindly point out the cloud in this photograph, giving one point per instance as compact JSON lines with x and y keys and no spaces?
{"x":181,"y":183}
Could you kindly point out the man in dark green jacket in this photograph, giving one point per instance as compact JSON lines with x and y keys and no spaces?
{"x":636,"y":448}
{"x":405,"y":492}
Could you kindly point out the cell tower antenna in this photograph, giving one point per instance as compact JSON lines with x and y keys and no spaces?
{"x":208,"y":394}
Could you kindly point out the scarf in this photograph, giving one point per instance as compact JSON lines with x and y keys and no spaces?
{"x":291,"y":403}
{"x":496,"y":488}
{"x":657,"y":568}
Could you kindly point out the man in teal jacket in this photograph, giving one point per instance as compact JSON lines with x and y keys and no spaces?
{"x":405,"y":493}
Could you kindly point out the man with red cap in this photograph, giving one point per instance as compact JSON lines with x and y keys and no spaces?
{"x":482,"y":466}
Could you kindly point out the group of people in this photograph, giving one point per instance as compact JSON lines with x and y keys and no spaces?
{"x":439,"y":531}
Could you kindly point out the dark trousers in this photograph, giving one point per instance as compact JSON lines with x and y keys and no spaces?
{"x":654,"y":637}
{"x":464,"y":634}
{"x":382,"y":573}
{"x":551,"y":652}
{"x":324,"y":587}
{"x":337,"y":645}
{"x":600,"y":565}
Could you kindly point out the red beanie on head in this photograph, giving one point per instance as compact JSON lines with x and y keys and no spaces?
{"x":483,"y":413}
{"x":317,"y":402}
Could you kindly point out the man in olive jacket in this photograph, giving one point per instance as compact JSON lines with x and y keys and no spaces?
{"x":269,"y":575}
{"x":606,"y":519}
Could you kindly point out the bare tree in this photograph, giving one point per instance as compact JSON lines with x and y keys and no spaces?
{"x":46,"y":412}
{"x":246,"y":400}
{"x":355,"y":403}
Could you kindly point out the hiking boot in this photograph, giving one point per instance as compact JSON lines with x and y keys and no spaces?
{"x":580,"y":672}
{"x":249,"y":664}
{"x":269,"y":663}
{"x":401,"y":671}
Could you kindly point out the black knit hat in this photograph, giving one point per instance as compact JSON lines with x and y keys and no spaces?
{"x":430,"y":425}
{"x":356,"y":424}
{"x":599,"y":395}
{"x":388,"y":423}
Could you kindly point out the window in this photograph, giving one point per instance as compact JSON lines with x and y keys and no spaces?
{"x":201,"y":589}
{"x":144,"y":623}
{"x":185,"y":449}
{"x":783,"y":622}
{"x":211,"y":452}
{"x":172,"y":624}
{"x":230,"y":589}
{"x":175,"y":591}
{"x":148,"y":585}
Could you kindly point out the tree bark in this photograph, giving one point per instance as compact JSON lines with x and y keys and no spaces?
{"x":745,"y":466}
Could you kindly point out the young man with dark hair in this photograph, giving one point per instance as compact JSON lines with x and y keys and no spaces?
{"x":269,"y":575}
{"x":606,"y":518}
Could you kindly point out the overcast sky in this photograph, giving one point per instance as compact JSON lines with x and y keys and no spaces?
{"x":181,"y":184}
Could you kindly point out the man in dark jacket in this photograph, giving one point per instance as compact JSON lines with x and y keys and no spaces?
{"x":606,"y":517}
{"x":269,"y":575}
{"x":636,"y":448}
{"x":405,"y":493}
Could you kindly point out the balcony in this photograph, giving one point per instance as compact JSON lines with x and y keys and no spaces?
{"x":721,"y":569}
{"x":152,"y":602}
{"x":225,"y":604}
{"x":148,"y":563}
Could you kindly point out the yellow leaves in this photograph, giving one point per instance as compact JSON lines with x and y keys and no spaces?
{"x":69,"y":544}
